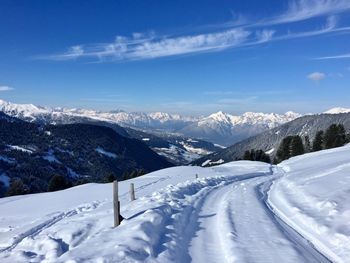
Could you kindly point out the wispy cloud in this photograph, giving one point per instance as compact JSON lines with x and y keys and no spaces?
{"x":6,"y":88}
{"x":140,"y":46}
{"x":306,"y":9}
{"x":316,"y":76}
{"x":136,"y":47}
{"x":343,"y":56}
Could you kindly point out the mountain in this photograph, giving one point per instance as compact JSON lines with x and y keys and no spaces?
{"x":35,"y":153}
{"x":176,"y":148}
{"x":269,"y":141}
{"x":226,"y":129}
{"x":337,"y":110}
{"x":219,"y":128}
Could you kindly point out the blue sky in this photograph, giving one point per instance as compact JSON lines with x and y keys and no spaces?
{"x":187,"y":57}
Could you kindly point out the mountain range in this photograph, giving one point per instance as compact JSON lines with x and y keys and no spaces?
{"x":219,"y":128}
{"x":269,"y":141}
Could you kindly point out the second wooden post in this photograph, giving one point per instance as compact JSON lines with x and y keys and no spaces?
{"x":116,"y":204}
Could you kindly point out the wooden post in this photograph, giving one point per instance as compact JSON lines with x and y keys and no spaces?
{"x":132,"y":192}
{"x":116,"y":204}
{"x":196,"y":176}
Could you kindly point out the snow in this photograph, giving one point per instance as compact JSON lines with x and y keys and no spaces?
{"x":175,"y":153}
{"x":106,"y":153}
{"x":191,"y":149}
{"x":249,"y":118}
{"x":337,"y":110}
{"x":313,"y":196}
{"x":270,"y":151}
{"x":205,"y":163}
{"x":209,"y":162}
{"x":220,"y":146}
{"x":150,"y":120}
{"x":19,"y":148}
{"x":51,"y":157}
{"x":298,"y":211}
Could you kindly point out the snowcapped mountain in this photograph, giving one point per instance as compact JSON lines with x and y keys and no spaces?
{"x":269,"y":140}
{"x":337,"y":110}
{"x":221,"y":128}
{"x":226,"y":129}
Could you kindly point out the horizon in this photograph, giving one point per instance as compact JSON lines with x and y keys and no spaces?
{"x":234,"y":57}
{"x":174,"y":113}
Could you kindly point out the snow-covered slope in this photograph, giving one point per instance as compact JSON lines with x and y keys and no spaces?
{"x":313,"y":197}
{"x":237,"y":212}
{"x":337,"y":110}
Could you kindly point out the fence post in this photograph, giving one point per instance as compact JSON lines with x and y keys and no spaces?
{"x":132,"y":192}
{"x":116,"y":204}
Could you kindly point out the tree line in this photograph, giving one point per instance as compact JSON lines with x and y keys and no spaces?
{"x":334,"y":136}
{"x":293,"y":145}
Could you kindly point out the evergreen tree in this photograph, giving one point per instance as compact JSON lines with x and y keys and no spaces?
{"x":57,"y":182}
{"x":307,"y":143}
{"x":262,"y":156}
{"x":334,"y":136}
{"x":16,"y":188}
{"x":256,"y":155}
{"x":296,"y":146}
{"x":317,"y":144}
{"x":110,"y":178}
{"x":283,"y":151}
{"x":246,"y":155}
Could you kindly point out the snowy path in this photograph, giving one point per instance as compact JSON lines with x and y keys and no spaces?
{"x":237,"y":212}
{"x":236,"y":226}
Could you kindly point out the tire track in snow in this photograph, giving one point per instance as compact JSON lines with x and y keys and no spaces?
{"x":304,"y":245}
{"x":235,"y":225}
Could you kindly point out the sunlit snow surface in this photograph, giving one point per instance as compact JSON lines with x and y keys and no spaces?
{"x":228,"y":214}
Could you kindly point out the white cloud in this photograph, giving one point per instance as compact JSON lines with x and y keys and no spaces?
{"x":141,"y":47}
{"x":343,"y":56}
{"x":265,"y":35}
{"x":149,"y":45}
{"x":301,"y":10}
{"x":316,"y":76}
{"x":6,"y":88}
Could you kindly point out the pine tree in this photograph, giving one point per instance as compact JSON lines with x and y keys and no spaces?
{"x":284,"y":150}
{"x":341,"y":136}
{"x":16,"y":188}
{"x":110,"y":178}
{"x":317,"y":144}
{"x":307,"y":143}
{"x":256,"y":155}
{"x":57,"y":182}
{"x":296,"y":146}
{"x":334,"y":136}
{"x":246,"y":155}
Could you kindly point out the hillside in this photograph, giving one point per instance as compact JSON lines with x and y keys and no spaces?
{"x":80,"y":152}
{"x":269,"y":141}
